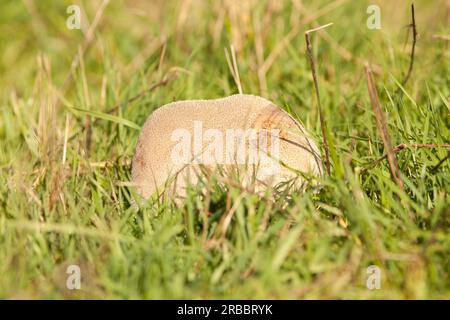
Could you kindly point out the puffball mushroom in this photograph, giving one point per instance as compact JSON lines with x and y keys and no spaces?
{"x":243,"y":132}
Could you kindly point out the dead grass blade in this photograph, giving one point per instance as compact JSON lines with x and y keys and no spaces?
{"x":382,"y":128}
{"x":323,"y":124}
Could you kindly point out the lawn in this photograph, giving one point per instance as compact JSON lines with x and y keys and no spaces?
{"x":73,"y":101}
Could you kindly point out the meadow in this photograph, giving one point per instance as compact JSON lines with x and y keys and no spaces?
{"x":73,"y":101}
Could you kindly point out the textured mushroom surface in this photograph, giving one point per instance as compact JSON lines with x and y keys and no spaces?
{"x":157,"y":165}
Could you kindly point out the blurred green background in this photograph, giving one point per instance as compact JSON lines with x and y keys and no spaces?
{"x":68,"y":98}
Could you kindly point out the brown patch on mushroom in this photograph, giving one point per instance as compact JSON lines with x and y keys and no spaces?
{"x":273,"y":117}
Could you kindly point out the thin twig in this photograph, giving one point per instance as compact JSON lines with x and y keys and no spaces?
{"x":403,"y":146}
{"x":413,"y":49}
{"x":169,"y":76}
{"x":165,"y":80}
{"x":434,"y":169}
{"x":323,"y":124}
{"x":382,"y":128}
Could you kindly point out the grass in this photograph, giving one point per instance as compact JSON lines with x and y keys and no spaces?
{"x":68,"y":136}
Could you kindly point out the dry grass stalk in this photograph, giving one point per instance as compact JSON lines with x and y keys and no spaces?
{"x":89,"y":37}
{"x":232,"y":64}
{"x":259,"y":50}
{"x":316,"y":87}
{"x":66,"y":139}
{"x":413,"y":49}
{"x":87,"y":101}
{"x":382,"y":128}
{"x":281,"y":45}
{"x":441,"y":37}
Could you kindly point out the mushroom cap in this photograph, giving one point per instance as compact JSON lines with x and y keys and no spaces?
{"x":156,"y":164}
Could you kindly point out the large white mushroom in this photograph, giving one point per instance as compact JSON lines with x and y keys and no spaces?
{"x":244,"y":132}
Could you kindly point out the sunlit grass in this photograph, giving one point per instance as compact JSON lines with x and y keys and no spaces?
{"x":67,"y":138}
